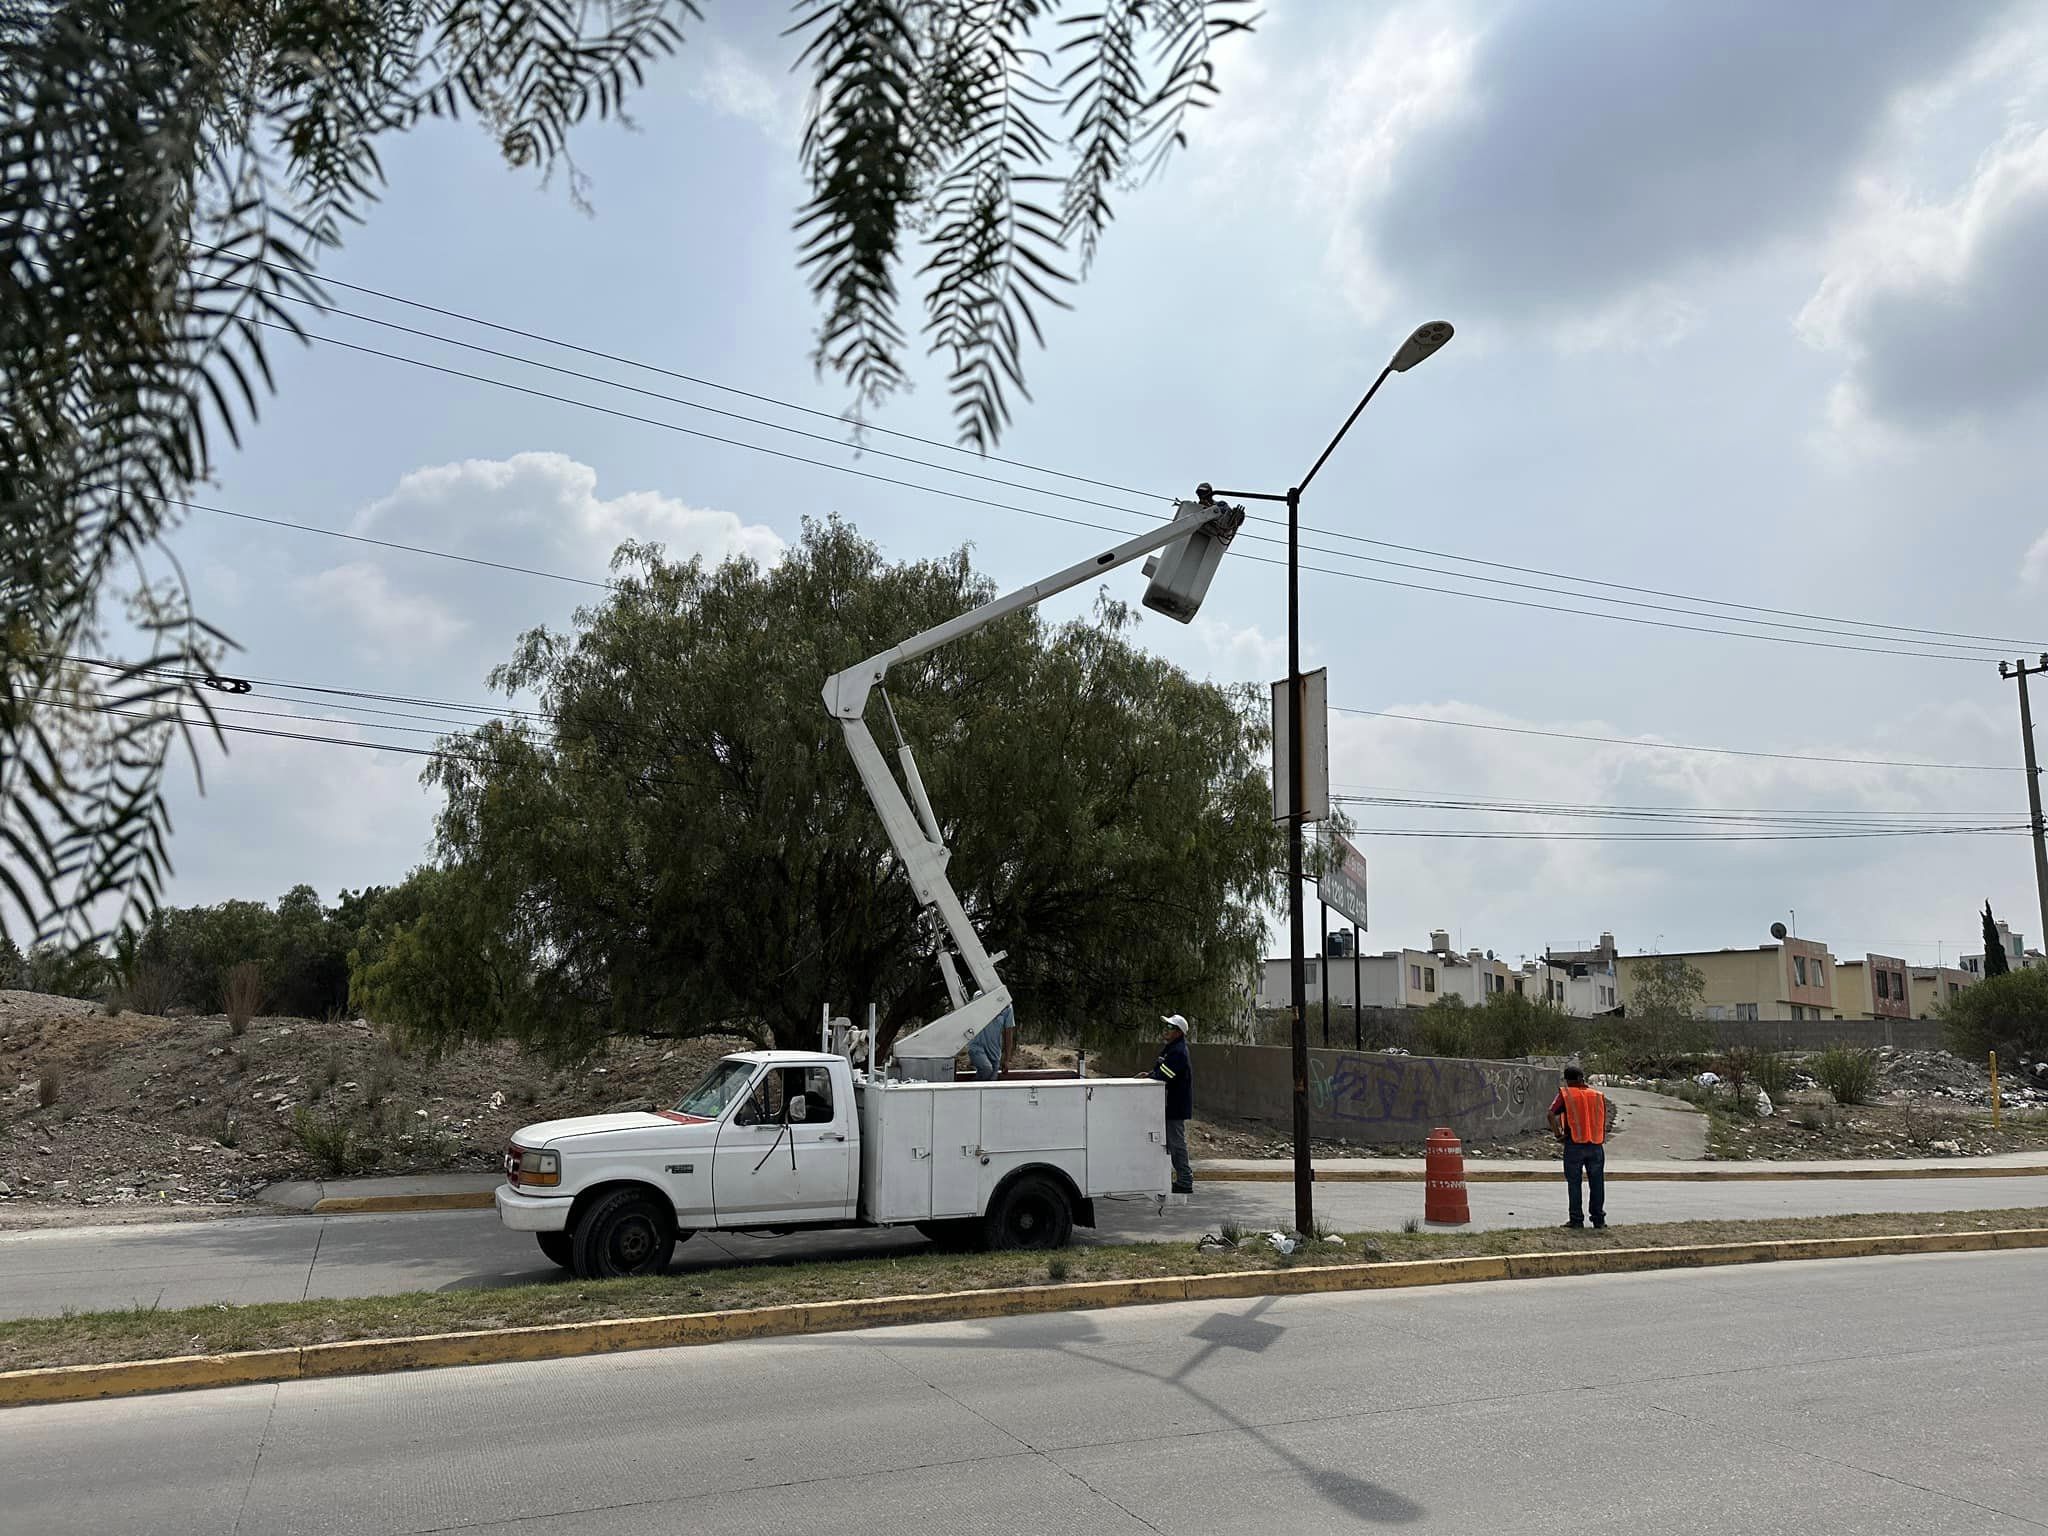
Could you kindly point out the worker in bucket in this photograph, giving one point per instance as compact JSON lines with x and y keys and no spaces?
{"x":989,"y":1052}
{"x":1173,"y":1069}
{"x":1580,"y":1117}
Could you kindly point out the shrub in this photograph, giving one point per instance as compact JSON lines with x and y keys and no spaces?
{"x":327,"y":1143}
{"x":1445,"y":1029}
{"x":2007,"y":1014}
{"x":49,"y":1087}
{"x":242,"y":991}
{"x":1772,"y":1072}
{"x":1846,"y":1071}
{"x":149,"y":987}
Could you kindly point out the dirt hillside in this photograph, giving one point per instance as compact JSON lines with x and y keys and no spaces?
{"x":183,"y":1111}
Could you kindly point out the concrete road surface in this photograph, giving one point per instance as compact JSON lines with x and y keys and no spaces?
{"x":249,"y":1259}
{"x":1881,"y":1396}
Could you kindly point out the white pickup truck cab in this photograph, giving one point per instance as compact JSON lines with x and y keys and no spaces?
{"x":775,"y":1141}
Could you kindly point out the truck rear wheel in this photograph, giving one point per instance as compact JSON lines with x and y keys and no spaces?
{"x":558,"y":1246}
{"x":1030,"y":1212}
{"x":624,"y":1233}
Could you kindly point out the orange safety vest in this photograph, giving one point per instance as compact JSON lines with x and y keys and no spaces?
{"x":1585,"y":1115}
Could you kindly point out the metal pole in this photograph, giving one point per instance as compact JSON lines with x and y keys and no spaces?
{"x":2034,"y":796}
{"x":1304,"y":1199}
{"x":1357,"y":993}
{"x":1323,"y":970}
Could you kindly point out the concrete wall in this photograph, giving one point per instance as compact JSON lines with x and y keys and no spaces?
{"x":1396,"y":1027}
{"x":1365,"y":1097}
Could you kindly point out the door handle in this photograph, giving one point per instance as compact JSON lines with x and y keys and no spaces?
{"x":831,"y":1136}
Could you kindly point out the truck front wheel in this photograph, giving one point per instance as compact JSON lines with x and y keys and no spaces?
{"x":1030,"y":1212}
{"x":624,"y":1233}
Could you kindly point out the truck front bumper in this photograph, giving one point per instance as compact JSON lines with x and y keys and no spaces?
{"x":532,"y":1213}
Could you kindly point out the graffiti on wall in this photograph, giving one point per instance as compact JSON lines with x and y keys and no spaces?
{"x":1373,"y":1090}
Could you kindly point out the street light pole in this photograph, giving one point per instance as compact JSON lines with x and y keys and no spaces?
{"x":1422,"y":342}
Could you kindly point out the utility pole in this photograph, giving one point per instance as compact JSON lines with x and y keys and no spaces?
{"x":1422,"y":343}
{"x":2020,"y":670}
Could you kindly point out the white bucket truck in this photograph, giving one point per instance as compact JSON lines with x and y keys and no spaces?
{"x":778,"y":1141}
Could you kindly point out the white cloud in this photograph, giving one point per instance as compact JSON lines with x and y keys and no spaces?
{"x":1933,"y":305}
{"x":388,"y":622}
{"x":1242,"y":653}
{"x":732,"y":84}
{"x":543,"y":510}
{"x":2034,"y":569}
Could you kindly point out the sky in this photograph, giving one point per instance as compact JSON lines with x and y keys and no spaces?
{"x":1747,"y":310}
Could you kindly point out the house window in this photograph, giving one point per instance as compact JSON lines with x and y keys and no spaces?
{"x":1415,"y":978}
{"x":1745,"y":1010}
{"x":1799,"y":972}
{"x":1429,"y":978}
{"x":1954,"y":987}
{"x":1518,"y":984}
{"x":1884,"y":984}
{"x":1716,"y":1011}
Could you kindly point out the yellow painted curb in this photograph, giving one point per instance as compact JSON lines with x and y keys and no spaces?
{"x":1678,"y":1173}
{"x":367,"y":1357}
{"x":465,"y":1200}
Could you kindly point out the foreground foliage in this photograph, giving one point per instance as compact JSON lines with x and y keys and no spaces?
{"x":172,"y":175}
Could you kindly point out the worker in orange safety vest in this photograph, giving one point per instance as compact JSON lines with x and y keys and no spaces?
{"x":1580,"y":1117}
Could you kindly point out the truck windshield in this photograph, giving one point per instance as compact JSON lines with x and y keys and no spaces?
{"x":722,"y":1084}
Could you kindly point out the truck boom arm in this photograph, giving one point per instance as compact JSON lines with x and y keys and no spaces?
{"x":914,"y":832}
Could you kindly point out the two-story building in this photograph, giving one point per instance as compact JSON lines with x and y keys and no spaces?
{"x":1929,"y":986}
{"x":1874,"y":987}
{"x":1583,"y":985}
{"x":1790,"y":980}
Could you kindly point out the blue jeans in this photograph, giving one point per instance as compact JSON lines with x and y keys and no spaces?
{"x":1594,"y":1161}
{"x":985,"y":1050}
{"x":1177,"y":1149}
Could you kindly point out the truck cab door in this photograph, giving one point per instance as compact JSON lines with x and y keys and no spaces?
{"x":785,"y":1155}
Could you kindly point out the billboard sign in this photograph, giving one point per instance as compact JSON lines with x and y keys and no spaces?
{"x":1342,"y":885}
{"x":1315,"y":737}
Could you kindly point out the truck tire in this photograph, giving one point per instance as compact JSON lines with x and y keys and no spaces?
{"x":558,"y":1246}
{"x":624,"y":1233}
{"x":1031,"y":1211}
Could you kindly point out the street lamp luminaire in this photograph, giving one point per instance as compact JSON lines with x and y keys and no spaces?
{"x":1425,"y":340}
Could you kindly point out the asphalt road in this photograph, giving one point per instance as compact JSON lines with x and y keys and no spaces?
{"x":247,"y":1259}
{"x":1898,"y":1395}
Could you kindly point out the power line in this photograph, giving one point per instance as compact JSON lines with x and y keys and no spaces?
{"x":1662,"y":746}
{"x":1979,"y":654}
{"x":1040,"y":469}
{"x":1103,"y":528}
{"x":1952,"y":640}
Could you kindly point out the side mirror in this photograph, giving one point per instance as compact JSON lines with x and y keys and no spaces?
{"x":800,"y":1108}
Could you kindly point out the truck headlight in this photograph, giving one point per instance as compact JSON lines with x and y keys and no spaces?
{"x":529,"y":1167}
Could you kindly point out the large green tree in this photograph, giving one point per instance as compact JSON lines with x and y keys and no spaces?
{"x":685,"y":847}
{"x":174,"y":172}
{"x":2007,"y":1013}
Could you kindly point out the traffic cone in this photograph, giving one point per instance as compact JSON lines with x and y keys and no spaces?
{"x":1443,"y":1200}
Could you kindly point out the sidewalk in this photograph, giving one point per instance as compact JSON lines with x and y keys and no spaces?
{"x":472,"y":1191}
{"x":1529,"y":1170}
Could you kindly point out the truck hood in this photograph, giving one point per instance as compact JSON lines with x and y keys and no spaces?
{"x":640,"y":1126}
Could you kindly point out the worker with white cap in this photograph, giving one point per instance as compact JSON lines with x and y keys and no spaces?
{"x":1173,"y":1069}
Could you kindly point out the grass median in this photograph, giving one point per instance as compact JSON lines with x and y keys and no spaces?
{"x":148,"y":1333}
